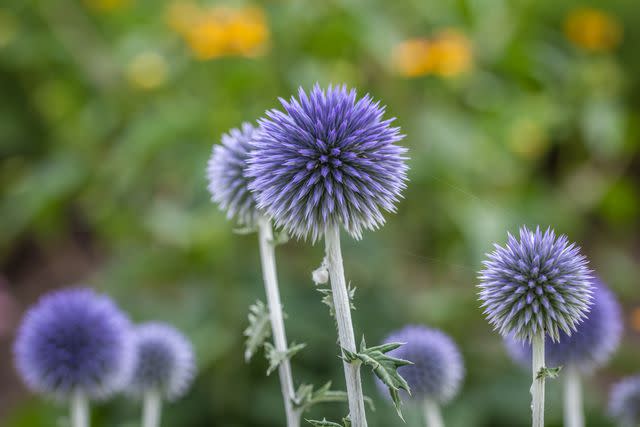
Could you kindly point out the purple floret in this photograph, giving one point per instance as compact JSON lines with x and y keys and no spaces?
{"x":228,"y":185}
{"x":624,"y":402}
{"x":590,"y":346}
{"x":328,"y":158}
{"x":438,"y":368}
{"x":539,"y":284}
{"x":74,"y":339}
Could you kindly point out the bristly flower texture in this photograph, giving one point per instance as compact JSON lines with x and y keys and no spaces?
{"x":327,"y":159}
{"x":438,"y":368}
{"x":228,"y":183}
{"x":624,"y":402}
{"x":590,"y":346}
{"x":539,"y":284}
{"x":164,"y":361}
{"x":74,"y":340}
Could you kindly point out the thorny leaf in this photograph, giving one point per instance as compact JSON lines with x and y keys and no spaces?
{"x":346,"y":422}
{"x":385,"y":367}
{"x":327,"y":297}
{"x":276,"y":357}
{"x":258,"y":330}
{"x":551,"y":373}
{"x":306,"y":397}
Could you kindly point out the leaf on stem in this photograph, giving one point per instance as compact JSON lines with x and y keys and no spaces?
{"x":327,"y":297}
{"x":385,"y":367}
{"x":306,"y":397}
{"x":258,"y":330}
{"x":346,"y":422}
{"x":245,"y":230}
{"x":276,"y":357}
{"x":550,"y":373}
{"x":280,"y":237}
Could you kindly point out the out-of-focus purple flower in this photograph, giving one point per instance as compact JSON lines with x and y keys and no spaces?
{"x":540,"y":283}
{"x":228,"y":183}
{"x":438,"y":368}
{"x":74,"y":339}
{"x":624,"y":401}
{"x":164,"y":361}
{"x":327,"y":159}
{"x":590,"y":346}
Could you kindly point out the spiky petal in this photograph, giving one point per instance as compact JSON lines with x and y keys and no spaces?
{"x":624,"y":401}
{"x":328,"y":158}
{"x":228,"y":183}
{"x":438,"y":368}
{"x":74,"y":339}
{"x":538,"y":284}
{"x":164,"y":361}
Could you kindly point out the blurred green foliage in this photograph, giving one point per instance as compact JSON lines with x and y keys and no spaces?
{"x":102,"y":182}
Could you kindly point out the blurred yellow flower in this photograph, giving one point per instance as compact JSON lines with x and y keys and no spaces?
{"x":447,"y":54}
{"x":220,"y":31}
{"x":593,"y":29}
{"x":147,"y":70}
{"x":106,"y":5}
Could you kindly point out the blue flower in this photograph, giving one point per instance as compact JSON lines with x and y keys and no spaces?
{"x":164,"y":361}
{"x":438,"y":368}
{"x":72,"y":340}
{"x":327,"y":159}
{"x":539,"y":284}
{"x":624,"y":402}
{"x":228,"y":184}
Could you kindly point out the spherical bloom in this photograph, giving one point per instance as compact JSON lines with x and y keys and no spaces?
{"x":624,"y":402}
{"x":164,"y":361}
{"x":538,"y":284}
{"x":228,"y":183}
{"x":327,"y":159}
{"x":74,"y":339}
{"x":590,"y":346}
{"x":437,"y":369}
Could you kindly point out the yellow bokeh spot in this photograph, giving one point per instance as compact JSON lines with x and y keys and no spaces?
{"x":593,"y":30}
{"x":635,"y":319}
{"x":220,"y":31}
{"x":147,"y":70}
{"x":447,"y":54}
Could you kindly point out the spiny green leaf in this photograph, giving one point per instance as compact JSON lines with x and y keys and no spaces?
{"x":327,"y":297}
{"x":346,"y":422}
{"x":258,"y":330}
{"x":385,"y":367}
{"x":551,"y":373}
{"x":276,"y":357}
{"x":306,"y":397}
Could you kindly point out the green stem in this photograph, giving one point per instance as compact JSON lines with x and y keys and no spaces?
{"x":152,"y":409}
{"x":79,"y":409}
{"x":537,"y":386}
{"x":573,"y":411}
{"x":432,"y":415}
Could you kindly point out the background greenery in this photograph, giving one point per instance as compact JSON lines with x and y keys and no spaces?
{"x":108,"y":112}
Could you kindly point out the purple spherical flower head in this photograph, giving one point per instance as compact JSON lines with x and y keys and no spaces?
{"x":228,"y":183}
{"x":590,"y":346}
{"x":437,"y":369}
{"x":624,"y":402}
{"x":164,"y":361}
{"x":536,"y":285}
{"x":327,"y":159}
{"x":74,"y":340}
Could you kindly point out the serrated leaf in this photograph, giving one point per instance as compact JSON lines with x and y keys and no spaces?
{"x":384,"y":367}
{"x":276,"y":357}
{"x":259,"y":329}
{"x":346,"y":422}
{"x":551,"y":373}
{"x":306,"y":397}
{"x":327,"y":297}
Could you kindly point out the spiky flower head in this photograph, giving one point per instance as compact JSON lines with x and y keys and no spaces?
{"x":164,"y":361}
{"x":327,"y":159}
{"x":228,"y":184}
{"x":74,"y":340}
{"x":590,"y":346}
{"x":624,"y":401}
{"x":437,"y":369}
{"x":539,"y":284}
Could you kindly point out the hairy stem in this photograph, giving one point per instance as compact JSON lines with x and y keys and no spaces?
{"x":342,"y":308}
{"x":573,"y":412}
{"x":79,"y":409}
{"x":151,"y":409}
{"x":537,"y":386}
{"x":432,"y":415}
{"x":268,"y":258}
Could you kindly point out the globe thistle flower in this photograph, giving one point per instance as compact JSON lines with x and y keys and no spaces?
{"x":163,"y":362}
{"x":74,"y":341}
{"x":438,"y":368}
{"x":327,"y":159}
{"x":536,"y":285}
{"x":624,"y":401}
{"x":228,"y":183}
{"x":590,"y":346}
